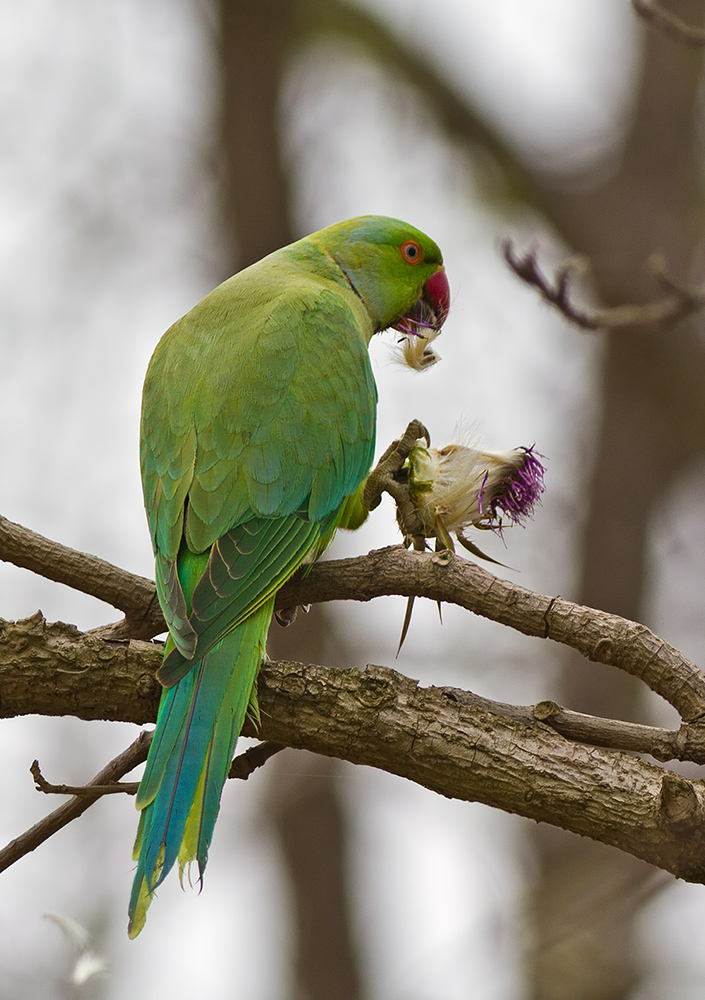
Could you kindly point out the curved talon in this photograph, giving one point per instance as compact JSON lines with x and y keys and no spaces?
{"x":414,"y":431}
{"x":286,"y":616}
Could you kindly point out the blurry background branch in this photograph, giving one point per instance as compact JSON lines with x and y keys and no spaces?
{"x":655,"y":14}
{"x":680,"y":303}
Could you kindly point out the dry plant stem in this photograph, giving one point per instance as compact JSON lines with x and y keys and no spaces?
{"x":681,"y":301}
{"x":135,"y":754}
{"x":668,"y":24}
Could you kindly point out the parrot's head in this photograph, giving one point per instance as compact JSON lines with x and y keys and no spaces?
{"x":395,"y":269}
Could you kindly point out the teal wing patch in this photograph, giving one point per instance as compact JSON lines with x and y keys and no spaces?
{"x":245,"y":569}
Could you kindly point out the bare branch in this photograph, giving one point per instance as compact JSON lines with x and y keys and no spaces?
{"x":135,"y":754}
{"x":106,"y":783}
{"x":663,"y":744}
{"x":441,"y":576}
{"x":447,"y":740}
{"x":453,"y":742}
{"x":134,"y":595}
{"x":257,"y":756}
{"x":242,"y":767}
{"x":465,"y":747}
{"x":91,"y":791}
{"x":668,"y":24}
{"x":679,"y":303}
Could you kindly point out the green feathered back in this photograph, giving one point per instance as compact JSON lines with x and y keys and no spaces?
{"x":259,"y":402}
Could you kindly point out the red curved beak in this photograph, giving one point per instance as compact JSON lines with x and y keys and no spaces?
{"x":430,"y":309}
{"x":436,"y":291}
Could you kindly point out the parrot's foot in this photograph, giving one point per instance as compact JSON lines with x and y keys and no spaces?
{"x":388,"y":476}
{"x":287,"y":616}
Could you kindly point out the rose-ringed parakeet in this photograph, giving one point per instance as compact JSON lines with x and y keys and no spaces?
{"x":258,"y":430}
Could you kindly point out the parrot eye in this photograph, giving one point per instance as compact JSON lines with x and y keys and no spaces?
{"x":411,"y":251}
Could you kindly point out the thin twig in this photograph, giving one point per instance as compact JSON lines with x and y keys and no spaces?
{"x":106,"y":783}
{"x":668,"y":24}
{"x":90,"y":791}
{"x":679,"y":303}
{"x":242,"y":767}
{"x":135,"y":754}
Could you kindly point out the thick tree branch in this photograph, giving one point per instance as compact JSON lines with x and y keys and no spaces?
{"x":453,"y":742}
{"x":451,"y":579}
{"x":445,"y":739}
{"x":441,"y":576}
{"x":132,"y":594}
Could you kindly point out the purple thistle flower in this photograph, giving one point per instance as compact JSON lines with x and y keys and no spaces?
{"x":518,"y":492}
{"x":459,"y":487}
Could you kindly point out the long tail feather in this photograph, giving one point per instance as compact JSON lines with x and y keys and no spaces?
{"x":199,"y":721}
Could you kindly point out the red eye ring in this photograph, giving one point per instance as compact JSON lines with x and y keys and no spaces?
{"x":411,"y":252}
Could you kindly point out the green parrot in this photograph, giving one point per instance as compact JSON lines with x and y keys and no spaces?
{"x":258,"y":430}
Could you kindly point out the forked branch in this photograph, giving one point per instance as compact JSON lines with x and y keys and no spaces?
{"x":679,"y":302}
{"x":107,"y":783}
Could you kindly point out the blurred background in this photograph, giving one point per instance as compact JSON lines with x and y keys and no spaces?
{"x":149,"y":148}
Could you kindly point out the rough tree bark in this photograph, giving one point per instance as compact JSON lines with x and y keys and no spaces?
{"x":542,"y":762}
{"x":546,"y":763}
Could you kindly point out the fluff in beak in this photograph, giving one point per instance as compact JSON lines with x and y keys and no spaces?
{"x":421,"y":325}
